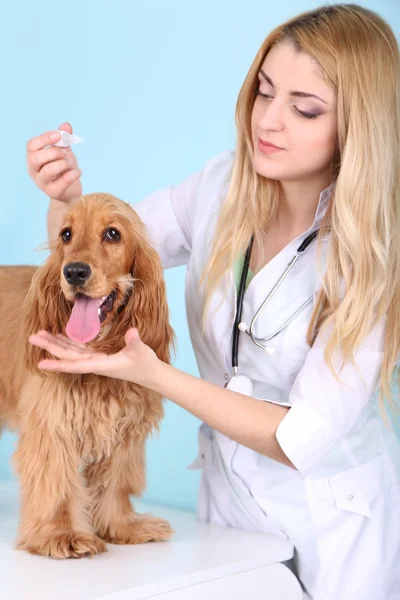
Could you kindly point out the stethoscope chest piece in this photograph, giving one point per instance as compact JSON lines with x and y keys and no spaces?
{"x":241,"y":384}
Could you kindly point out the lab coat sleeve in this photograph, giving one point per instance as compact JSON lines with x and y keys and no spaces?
{"x":168,"y":215}
{"x":323,"y":409}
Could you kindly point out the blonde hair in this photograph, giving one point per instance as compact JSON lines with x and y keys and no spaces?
{"x":359,"y":57}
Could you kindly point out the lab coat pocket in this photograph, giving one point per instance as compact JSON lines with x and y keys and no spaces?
{"x":214,"y":503}
{"x":204,"y":457}
{"x":356,"y":490}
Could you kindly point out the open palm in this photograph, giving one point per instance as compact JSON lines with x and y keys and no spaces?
{"x":131,"y":363}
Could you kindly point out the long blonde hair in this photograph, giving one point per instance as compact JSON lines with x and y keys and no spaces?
{"x":359,"y":57}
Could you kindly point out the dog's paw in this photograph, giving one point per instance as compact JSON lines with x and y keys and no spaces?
{"x":65,"y":544}
{"x":139,"y":530}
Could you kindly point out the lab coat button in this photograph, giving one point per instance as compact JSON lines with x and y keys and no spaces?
{"x":350,"y":497}
{"x":226,"y":376}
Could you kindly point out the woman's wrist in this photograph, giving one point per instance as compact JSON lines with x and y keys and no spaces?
{"x":155,"y":379}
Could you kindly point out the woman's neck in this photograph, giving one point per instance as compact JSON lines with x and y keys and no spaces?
{"x":298,"y":204}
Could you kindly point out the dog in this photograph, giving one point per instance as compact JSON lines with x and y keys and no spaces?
{"x":81,"y":438}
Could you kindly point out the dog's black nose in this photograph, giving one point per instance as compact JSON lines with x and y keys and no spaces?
{"x":77,"y":273}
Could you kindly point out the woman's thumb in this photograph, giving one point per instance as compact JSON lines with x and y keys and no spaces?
{"x":132,"y":338}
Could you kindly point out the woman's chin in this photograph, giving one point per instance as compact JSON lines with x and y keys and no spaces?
{"x":264,"y":168}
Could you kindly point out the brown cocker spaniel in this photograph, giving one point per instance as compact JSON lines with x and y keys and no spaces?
{"x":81,"y":438}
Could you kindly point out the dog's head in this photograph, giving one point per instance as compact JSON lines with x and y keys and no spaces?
{"x":101,"y":278}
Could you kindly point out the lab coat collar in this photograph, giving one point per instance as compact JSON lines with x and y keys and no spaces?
{"x":322,"y":206}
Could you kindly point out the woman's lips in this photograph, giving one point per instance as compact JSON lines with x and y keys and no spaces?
{"x":267,"y":147}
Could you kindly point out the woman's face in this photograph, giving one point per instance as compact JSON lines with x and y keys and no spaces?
{"x":294,"y":123}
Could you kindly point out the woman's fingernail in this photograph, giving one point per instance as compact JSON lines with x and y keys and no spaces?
{"x":54,"y":136}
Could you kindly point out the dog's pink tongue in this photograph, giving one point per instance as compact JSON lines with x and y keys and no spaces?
{"x":84,"y":322}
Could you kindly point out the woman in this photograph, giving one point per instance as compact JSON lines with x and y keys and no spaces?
{"x":296,"y":444}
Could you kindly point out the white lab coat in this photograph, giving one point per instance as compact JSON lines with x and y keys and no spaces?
{"x":341,"y":507}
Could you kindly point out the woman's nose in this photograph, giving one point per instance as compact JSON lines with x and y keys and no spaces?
{"x":272,"y":117}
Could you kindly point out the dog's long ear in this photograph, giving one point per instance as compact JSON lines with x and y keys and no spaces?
{"x":147,"y":307}
{"x":45,"y":308}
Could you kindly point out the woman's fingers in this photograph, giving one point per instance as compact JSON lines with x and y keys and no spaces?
{"x":40,"y":158}
{"x":99,"y":363}
{"x":72,"y":356}
{"x":54,"y":170}
{"x":68,"y":366}
{"x":58,"y":347}
{"x":66,"y":340}
{"x":76,"y":358}
{"x":66,"y":187}
{"x":41,"y":141}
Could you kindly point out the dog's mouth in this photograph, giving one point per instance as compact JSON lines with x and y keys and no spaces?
{"x":106,"y":305}
{"x":87,"y":315}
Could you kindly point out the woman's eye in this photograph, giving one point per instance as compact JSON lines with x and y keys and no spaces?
{"x":112,"y":235}
{"x":263,"y":94}
{"x":301,"y":113}
{"x":307,"y":115}
{"x":66,"y":235}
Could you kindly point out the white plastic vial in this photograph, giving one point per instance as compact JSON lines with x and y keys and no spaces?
{"x":67,"y":139}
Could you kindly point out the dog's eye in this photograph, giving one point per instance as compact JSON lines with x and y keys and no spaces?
{"x":66,"y":235}
{"x":112,"y":235}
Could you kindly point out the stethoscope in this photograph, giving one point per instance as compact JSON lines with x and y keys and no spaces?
{"x":242,"y":383}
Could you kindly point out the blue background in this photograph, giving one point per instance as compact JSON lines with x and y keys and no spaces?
{"x":152,"y":87}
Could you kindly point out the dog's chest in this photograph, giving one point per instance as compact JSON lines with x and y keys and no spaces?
{"x":101,"y":420}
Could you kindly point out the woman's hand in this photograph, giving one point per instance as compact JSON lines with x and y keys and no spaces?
{"x":54,"y":170}
{"x":137,"y":362}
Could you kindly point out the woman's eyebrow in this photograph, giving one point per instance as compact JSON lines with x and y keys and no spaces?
{"x":297,"y":94}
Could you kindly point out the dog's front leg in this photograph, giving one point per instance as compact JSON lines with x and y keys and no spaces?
{"x":54,"y":501}
{"x":110,"y":483}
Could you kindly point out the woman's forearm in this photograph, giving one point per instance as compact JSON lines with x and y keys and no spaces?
{"x":246,"y":420}
{"x":250,"y":422}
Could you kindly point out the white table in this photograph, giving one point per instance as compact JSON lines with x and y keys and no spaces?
{"x":201,"y":561}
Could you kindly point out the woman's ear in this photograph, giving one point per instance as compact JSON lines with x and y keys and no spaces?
{"x":147,"y":307}
{"x":45,"y":308}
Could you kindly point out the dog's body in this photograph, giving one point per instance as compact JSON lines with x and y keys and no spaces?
{"x":14,"y":286}
{"x":81,"y":446}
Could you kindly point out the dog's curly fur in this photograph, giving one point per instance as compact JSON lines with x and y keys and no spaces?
{"x":81,"y":438}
